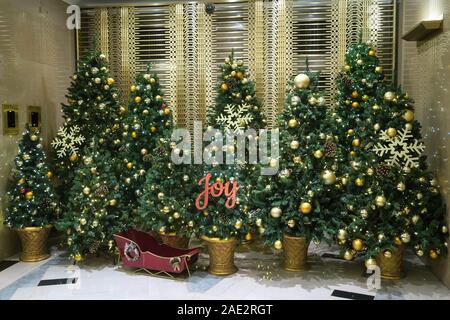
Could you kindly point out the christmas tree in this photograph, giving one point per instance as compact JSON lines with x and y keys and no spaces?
{"x":148,"y":120}
{"x":389,"y":198}
{"x":167,"y":204}
{"x":95,"y":210}
{"x":92,"y":110}
{"x":236,"y":109}
{"x":297,"y":201}
{"x":32,"y":199}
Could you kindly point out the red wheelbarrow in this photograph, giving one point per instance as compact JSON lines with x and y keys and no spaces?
{"x":141,"y":250}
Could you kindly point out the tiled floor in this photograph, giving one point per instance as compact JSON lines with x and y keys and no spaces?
{"x":259,"y":277}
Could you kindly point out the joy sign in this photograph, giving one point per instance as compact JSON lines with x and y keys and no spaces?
{"x":216,"y":190}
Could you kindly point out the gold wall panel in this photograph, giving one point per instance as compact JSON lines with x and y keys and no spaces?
{"x":274,"y":37}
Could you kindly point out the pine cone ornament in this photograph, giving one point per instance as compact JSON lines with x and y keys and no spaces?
{"x":94,"y":247}
{"x":383,"y":170}
{"x":101,"y":191}
{"x":330,"y":149}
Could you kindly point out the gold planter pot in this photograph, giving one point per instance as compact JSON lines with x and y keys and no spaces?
{"x":391,"y":268}
{"x":34,"y":243}
{"x":221,"y":256}
{"x":171,"y":239}
{"x":295,"y":253}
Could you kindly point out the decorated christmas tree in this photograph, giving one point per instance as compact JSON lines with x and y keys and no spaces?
{"x":296,"y":203}
{"x":167,"y":205}
{"x":92,"y":110}
{"x":32,"y":201}
{"x":95,"y":210}
{"x":236,"y":109}
{"x":389,"y":199}
{"x":147,"y":121}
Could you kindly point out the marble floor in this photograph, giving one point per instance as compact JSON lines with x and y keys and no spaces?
{"x":259,"y":278}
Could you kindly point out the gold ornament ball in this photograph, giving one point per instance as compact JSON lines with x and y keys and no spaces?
{"x":122,"y":110}
{"x":49,"y":174}
{"x":294,"y":145}
{"x":86,"y":190}
{"x":365,"y":97}
{"x":355,"y":104}
{"x":224,"y":87}
{"x":167,"y":111}
{"x":112,"y":202}
{"x":29,"y":195}
{"x":77,"y":257}
{"x":406,"y":238}
{"x":342,"y":234}
{"x":153,"y":129}
{"x":191,"y":223}
{"x":248,"y":236}
{"x":370,"y":263}
{"x":160,"y":195}
{"x":355,"y":94}
{"x":158,"y":98}
{"x":348,"y":255}
{"x":408,"y":116}
{"x":33,"y":137}
{"x":372,"y":53}
{"x":318,"y":154}
{"x":258,"y":222}
{"x":278,"y":245}
{"x":419,"y":253}
{"x":356,"y":142}
{"x":134,"y":134}
{"x":391,"y":132}
{"x":350,"y":132}
{"x":137,"y":99}
{"x":387,"y":254}
{"x":166,"y":209}
{"x":359,"y":182}
{"x":329,"y":177}
{"x":380,"y":201}
{"x":238,"y":224}
{"x":176,"y":215}
{"x":239,"y":75}
{"x":444,"y":229}
{"x":347,"y":68}
{"x":389,"y":96}
{"x":297,"y":160}
{"x":133,"y":88}
{"x":206,"y":213}
{"x":379,"y":69}
{"x":291,"y":223}
{"x":433,"y":254}
{"x":305,"y":208}
{"x":292,"y":123}
{"x":73,"y":157}
{"x":344,"y":181}
{"x":130,"y":165}
{"x":302,"y":81}
{"x":22,"y":181}
{"x":401,"y":186}
{"x":276,"y":212}
{"x":110,"y":81}
{"x":214,"y":228}
{"x":83,"y":221}
{"x":144,"y":151}
{"x":357,"y":245}
{"x":94,"y":170}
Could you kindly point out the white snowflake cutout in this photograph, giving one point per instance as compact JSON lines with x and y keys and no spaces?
{"x":67,"y":142}
{"x":235,"y":117}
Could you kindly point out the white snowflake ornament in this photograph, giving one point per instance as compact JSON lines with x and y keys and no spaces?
{"x":402,"y":150}
{"x":235,"y":117}
{"x":67,"y":142}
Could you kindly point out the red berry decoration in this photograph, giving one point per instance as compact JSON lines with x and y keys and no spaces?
{"x":22,"y":191}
